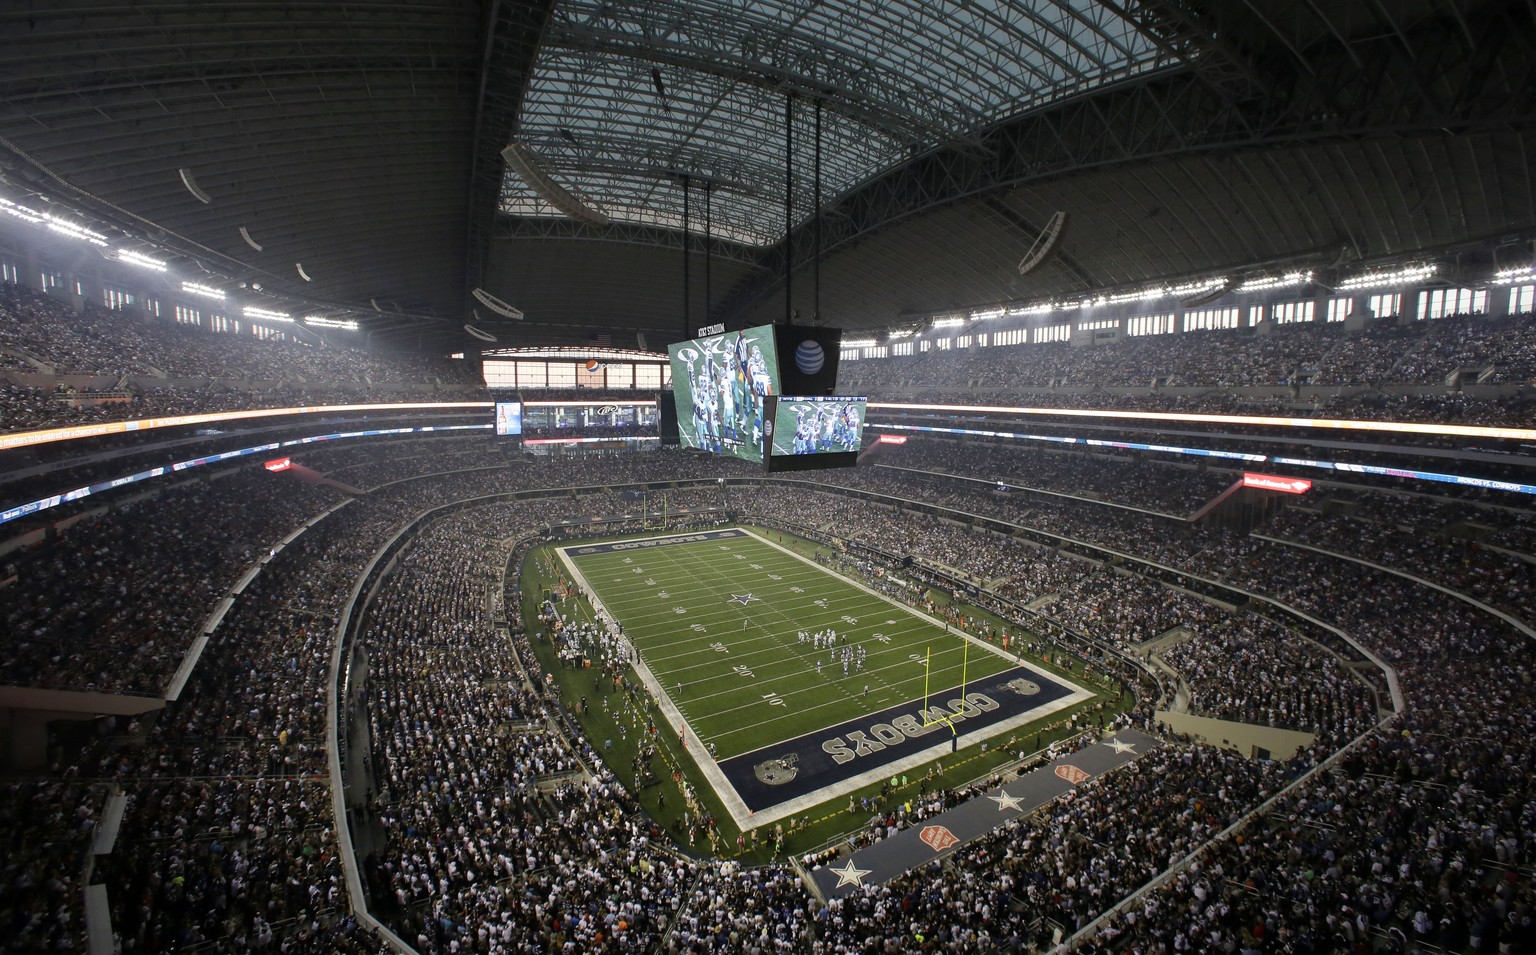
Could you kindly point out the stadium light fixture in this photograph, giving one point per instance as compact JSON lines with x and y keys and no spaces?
{"x":491,"y":302}
{"x":66,"y":228}
{"x":899,"y":333}
{"x":142,"y":261}
{"x":1404,"y":276}
{"x":197,"y":191}
{"x":1524,"y":273}
{"x":529,"y":167}
{"x":52,"y":222}
{"x":1267,"y":282}
{"x":320,"y":321}
{"x":861,"y":343}
{"x":1039,"y":308}
{"x":266,"y":314}
{"x":192,"y":288}
{"x":987,"y":314}
{"x":947,"y":322}
{"x":21,"y":212}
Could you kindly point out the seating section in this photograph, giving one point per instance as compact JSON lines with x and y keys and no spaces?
{"x":167,"y":369}
{"x":494,"y":826}
{"x":113,"y":602}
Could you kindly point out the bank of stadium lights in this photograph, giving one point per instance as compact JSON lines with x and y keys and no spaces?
{"x":142,"y":261}
{"x":1525,"y":273}
{"x":266,"y":315}
{"x":948,"y":322}
{"x":860,"y":343}
{"x":1039,"y":308}
{"x":52,"y":222}
{"x":1155,"y":292}
{"x":192,"y":288}
{"x":898,"y":334}
{"x":987,"y":314}
{"x":1268,"y":282}
{"x":320,"y":321}
{"x":21,"y":212}
{"x":1404,"y":276}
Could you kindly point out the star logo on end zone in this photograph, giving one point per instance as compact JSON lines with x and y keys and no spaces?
{"x":1072,"y":774}
{"x":938,"y":838}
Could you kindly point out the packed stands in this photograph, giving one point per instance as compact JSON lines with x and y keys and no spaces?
{"x":229,"y":842}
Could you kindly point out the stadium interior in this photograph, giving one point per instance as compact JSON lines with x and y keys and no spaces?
{"x":531,"y":476}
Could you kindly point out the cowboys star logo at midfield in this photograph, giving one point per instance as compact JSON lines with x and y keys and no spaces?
{"x":743,"y":599}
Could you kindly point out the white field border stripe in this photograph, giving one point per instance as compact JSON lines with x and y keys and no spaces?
{"x":794,"y":656}
{"x":746,"y":818}
{"x":738,"y":810}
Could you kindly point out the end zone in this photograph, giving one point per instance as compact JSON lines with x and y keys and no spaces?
{"x":786,"y":778}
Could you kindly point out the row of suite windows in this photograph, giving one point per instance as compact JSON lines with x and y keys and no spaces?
{"x":1433,"y":303}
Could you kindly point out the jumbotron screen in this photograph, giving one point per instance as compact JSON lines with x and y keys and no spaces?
{"x":818,"y":425}
{"x":509,"y":417}
{"x":719,"y":383}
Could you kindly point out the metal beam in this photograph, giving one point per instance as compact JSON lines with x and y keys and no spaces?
{"x":512,"y":42}
{"x":517,"y":228}
{"x":1164,"y":116}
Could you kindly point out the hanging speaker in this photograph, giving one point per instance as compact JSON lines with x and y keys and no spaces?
{"x":1045,"y":244}
{"x":496,"y":305}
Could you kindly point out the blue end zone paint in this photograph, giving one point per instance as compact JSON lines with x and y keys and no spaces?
{"x":784,"y":771}
{"x":587,"y":550}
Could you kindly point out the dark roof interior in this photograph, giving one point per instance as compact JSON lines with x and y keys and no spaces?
{"x":364,"y":143}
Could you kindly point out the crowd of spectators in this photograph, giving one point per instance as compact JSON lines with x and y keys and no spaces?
{"x":1130,"y":480}
{"x":1420,"y":353}
{"x":46,"y":831}
{"x":164,"y":368}
{"x":1060,"y":867}
{"x":228,"y":840}
{"x":478,"y":854}
{"x":101,"y":341}
{"x":112,"y":602}
{"x":1250,"y":669}
{"x":1497,"y":577}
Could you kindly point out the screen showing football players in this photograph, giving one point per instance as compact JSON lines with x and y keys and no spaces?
{"x":818,"y":425}
{"x":718,"y":384}
{"x":509,"y":417}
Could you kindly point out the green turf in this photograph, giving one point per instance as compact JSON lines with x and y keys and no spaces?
{"x":741,"y":686}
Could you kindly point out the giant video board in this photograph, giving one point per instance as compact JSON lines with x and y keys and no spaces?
{"x":719,"y":383}
{"x":818,"y":425}
{"x":811,"y":433}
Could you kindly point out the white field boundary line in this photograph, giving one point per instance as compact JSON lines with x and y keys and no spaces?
{"x":913,"y":611}
{"x":727,"y":794}
{"x":712,"y":618}
{"x":817,"y":569}
{"x":787,"y":654}
{"x":745,"y":818}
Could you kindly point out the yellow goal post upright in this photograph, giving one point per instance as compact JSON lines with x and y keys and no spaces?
{"x":645,"y":511}
{"x":965,"y":658}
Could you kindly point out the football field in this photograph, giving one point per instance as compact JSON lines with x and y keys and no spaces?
{"x":791,"y":684}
